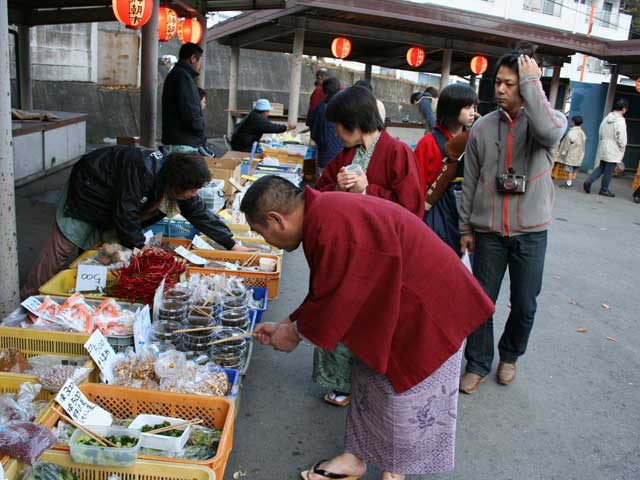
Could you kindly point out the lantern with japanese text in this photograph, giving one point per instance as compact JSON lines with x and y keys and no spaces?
{"x":132,"y":13}
{"x":167,"y":24}
{"x":189,"y":30}
{"x":479,"y":64}
{"x":341,"y":47}
{"x":638,"y":84}
{"x":415,"y":56}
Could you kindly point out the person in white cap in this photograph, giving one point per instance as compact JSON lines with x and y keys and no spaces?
{"x":254,"y":126}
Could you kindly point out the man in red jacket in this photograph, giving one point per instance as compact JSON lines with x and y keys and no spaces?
{"x":384,"y":285}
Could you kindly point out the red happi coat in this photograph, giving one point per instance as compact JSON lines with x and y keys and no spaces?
{"x":392,"y":173}
{"x":383,"y":284}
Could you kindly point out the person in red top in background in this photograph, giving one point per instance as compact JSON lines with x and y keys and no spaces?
{"x":317,"y":95}
{"x":456,"y":112}
{"x":385,"y":286}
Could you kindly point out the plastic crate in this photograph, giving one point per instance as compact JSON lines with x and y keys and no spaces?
{"x":64,"y":283}
{"x":174,"y":228}
{"x":260,"y":293}
{"x":234,"y":381}
{"x":123,"y":402}
{"x":142,"y":470}
{"x":268,"y":280}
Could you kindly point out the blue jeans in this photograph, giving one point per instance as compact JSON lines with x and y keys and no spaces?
{"x":606,"y":169}
{"x":524,"y":256}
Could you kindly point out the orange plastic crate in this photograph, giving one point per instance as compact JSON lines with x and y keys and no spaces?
{"x":270,"y":281}
{"x":123,"y":402}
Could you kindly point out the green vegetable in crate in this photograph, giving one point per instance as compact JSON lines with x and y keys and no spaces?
{"x":169,"y":433}
{"x":49,"y":471}
{"x":120,"y":441}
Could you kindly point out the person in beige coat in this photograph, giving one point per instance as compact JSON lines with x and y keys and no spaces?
{"x":571,"y":150}
{"x":613,"y":141}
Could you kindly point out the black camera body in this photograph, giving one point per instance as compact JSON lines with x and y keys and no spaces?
{"x":510,"y":182}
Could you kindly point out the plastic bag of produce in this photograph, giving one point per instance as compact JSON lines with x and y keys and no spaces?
{"x":48,"y":471}
{"x":20,"y":407}
{"x":25,"y":441}
{"x":170,"y":364}
{"x":53,"y":378}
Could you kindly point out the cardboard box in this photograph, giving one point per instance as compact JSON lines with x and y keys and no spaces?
{"x":224,"y":168}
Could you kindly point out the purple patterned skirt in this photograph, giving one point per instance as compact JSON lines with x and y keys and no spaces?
{"x":409,"y":433}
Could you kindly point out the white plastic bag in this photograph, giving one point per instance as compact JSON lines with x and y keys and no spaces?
{"x":466,"y":260}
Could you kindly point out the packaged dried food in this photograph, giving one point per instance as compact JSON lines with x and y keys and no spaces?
{"x":170,"y":364}
{"x":21,"y":406}
{"x":12,"y":360}
{"x":53,"y":378}
{"x":25,"y":441}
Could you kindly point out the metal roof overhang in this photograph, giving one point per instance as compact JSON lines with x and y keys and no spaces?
{"x":381,"y":31}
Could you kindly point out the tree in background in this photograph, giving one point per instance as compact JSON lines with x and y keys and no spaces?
{"x":632,"y":7}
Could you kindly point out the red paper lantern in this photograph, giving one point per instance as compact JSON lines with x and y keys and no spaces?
{"x":416,"y":56}
{"x":167,"y":24}
{"x":341,"y":47}
{"x":479,"y":64}
{"x":638,"y":84}
{"x":189,"y":30}
{"x":132,"y":13}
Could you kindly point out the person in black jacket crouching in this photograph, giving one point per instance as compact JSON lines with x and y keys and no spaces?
{"x":254,"y":126}
{"x":182,"y":117}
{"x":113,"y":193}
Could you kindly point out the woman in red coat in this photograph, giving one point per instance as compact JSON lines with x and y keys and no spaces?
{"x":375,"y":164}
{"x":456,"y":112}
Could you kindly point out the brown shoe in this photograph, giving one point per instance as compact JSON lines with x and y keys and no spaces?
{"x":506,"y":373}
{"x":469,"y":382}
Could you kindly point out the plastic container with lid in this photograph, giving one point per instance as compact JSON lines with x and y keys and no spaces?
{"x":237,"y":318}
{"x":163,"y":332}
{"x":99,"y":455}
{"x":181,"y":294}
{"x":173,"y":309}
{"x":231,"y":302}
{"x":158,"y":441}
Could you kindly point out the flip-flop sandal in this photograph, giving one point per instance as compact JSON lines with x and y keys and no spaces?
{"x":324,"y":473}
{"x":339,"y":400}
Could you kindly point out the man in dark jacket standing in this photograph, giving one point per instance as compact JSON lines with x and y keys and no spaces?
{"x":182,"y":117}
{"x":113,"y":193}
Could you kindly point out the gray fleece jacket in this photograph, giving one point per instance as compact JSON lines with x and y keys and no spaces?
{"x":527,"y":143}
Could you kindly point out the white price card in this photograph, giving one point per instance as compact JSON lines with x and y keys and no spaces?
{"x":80,"y":408}
{"x":91,"y":277}
{"x":102,"y":353}
{"x":201,"y":244}
{"x":195,"y":259}
{"x":141,"y":326}
{"x":148,"y":236}
{"x":157,"y":299}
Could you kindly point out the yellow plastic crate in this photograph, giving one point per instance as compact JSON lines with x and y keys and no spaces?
{"x":63,"y":284}
{"x":43,"y":342}
{"x":239,"y":227}
{"x":142,"y":470}
{"x":270,"y":281}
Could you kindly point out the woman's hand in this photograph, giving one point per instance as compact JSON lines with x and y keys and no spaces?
{"x":360,"y":184}
{"x":241,"y":248}
{"x":345,"y":180}
{"x":281,"y":336}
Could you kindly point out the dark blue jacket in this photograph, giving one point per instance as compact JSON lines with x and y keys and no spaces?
{"x":182,"y":118}
{"x":323,"y":132}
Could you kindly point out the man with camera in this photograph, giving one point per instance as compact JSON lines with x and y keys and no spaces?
{"x":507,"y":197}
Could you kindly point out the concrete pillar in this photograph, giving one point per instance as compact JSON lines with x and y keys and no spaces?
{"x":200,"y":79}
{"x":296,"y":75}
{"x":447,"y":55}
{"x":24,"y":62}
{"x":555,"y":85}
{"x":611,"y":91}
{"x":9,"y":280}
{"x":234,"y":67}
{"x":367,"y":71}
{"x":149,"y":80}
{"x":472,"y":81}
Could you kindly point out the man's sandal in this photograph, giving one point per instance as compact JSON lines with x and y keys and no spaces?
{"x":337,"y":399}
{"x":325,"y":474}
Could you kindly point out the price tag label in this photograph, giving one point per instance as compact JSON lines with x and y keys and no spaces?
{"x":80,"y":408}
{"x":201,"y":244}
{"x":102,"y":353}
{"x":141,"y":325}
{"x":195,"y":259}
{"x":157,"y":299}
{"x":91,"y":277}
{"x":33,"y":304}
{"x":148,"y":236}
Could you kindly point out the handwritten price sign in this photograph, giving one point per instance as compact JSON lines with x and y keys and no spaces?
{"x":102,"y":353}
{"x":80,"y":408}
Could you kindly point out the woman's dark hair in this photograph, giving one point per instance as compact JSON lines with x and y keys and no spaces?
{"x":577,"y":120}
{"x":415,"y":97}
{"x":621,"y":103}
{"x":510,"y":59}
{"x":189,"y":49}
{"x":330,"y":87}
{"x":353,"y":108}
{"x":364,"y":83}
{"x":185,"y":171}
{"x":454,"y":98}
{"x":202,"y":92}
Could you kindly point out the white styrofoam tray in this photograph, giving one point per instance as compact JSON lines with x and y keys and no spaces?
{"x":161,"y":442}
